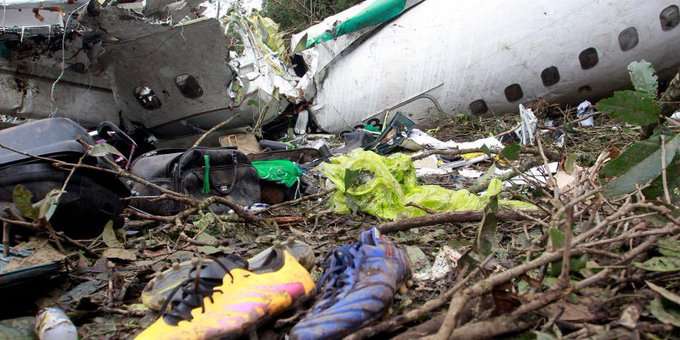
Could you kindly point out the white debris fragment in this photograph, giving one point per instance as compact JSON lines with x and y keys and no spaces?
{"x":428,"y":166}
{"x":676,"y":116}
{"x":220,"y":8}
{"x":470,"y":173}
{"x":419,"y":140}
{"x":538,"y":175}
{"x":302,"y":122}
{"x":527,"y":130}
{"x":445,"y":262}
{"x":53,"y":324}
{"x":586,"y":109}
{"x":466,"y":162}
{"x":419,"y":262}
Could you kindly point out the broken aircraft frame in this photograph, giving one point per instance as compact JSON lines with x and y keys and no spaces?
{"x":162,"y":66}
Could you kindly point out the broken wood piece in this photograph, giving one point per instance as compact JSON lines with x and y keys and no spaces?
{"x":452,"y":217}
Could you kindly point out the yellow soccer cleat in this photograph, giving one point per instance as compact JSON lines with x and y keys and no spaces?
{"x":223,"y":298}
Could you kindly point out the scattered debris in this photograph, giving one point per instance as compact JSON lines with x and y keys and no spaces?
{"x":444,"y":263}
{"x":53,"y":324}
{"x":148,"y":148}
{"x":386,"y":187}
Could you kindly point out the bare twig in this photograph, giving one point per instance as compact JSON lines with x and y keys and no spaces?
{"x":213,"y":129}
{"x":566,"y":257}
{"x":664,"y":175}
{"x":5,"y":239}
{"x":453,"y":217}
{"x":299,"y":200}
{"x":449,"y":152}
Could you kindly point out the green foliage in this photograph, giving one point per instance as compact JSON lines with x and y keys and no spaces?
{"x":644,"y":77}
{"x":103,"y":150}
{"x":632,"y":107}
{"x":634,"y":154}
{"x":644,"y":171}
{"x":637,"y":107}
{"x":294,"y":15}
{"x":660,"y":264}
{"x":668,"y":263}
{"x":664,"y":312}
{"x":655,"y":189}
{"x":43,"y":209}
{"x":511,"y":152}
{"x":22,"y":198}
{"x":641,"y":164}
{"x":486,"y":235}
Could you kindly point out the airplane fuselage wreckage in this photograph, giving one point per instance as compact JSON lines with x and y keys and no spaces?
{"x":179,"y":68}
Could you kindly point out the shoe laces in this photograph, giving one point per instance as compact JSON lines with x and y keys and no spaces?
{"x":336,"y":280}
{"x":200,"y":283}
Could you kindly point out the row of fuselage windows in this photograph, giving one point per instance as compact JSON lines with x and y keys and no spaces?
{"x":588,"y":58}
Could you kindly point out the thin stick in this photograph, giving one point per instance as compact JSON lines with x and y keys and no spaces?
{"x":453,"y":217}
{"x":70,"y":175}
{"x":5,"y":239}
{"x":301,"y":199}
{"x":213,"y":129}
{"x":546,"y":163}
{"x":664,"y":175}
{"x":566,"y":257}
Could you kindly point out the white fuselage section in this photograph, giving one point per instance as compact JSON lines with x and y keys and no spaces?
{"x":493,"y":55}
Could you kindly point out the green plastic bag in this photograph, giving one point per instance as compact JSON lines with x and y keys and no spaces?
{"x":386,"y":187}
{"x":375,"y":14}
{"x":281,"y":171}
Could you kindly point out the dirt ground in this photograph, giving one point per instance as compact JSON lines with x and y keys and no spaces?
{"x":605,"y":296}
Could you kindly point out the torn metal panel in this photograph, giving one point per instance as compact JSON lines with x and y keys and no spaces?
{"x":16,"y":24}
{"x":30,"y":4}
{"x":29,"y":88}
{"x":490,"y":57}
{"x":177,"y":82}
{"x":24,"y":18}
{"x":24,"y":96}
{"x":325,"y":53}
{"x":148,"y":74}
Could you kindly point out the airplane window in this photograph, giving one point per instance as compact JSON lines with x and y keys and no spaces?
{"x":628,"y":39}
{"x":670,"y":17}
{"x":588,"y":58}
{"x":514,"y":93}
{"x":479,"y":107}
{"x":188,"y":85}
{"x":550,"y":76}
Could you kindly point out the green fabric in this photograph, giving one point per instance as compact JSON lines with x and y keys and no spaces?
{"x":376,"y":13}
{"x":206,"y":174}
{"x":281,"y":171}
{"x":385,"y":186}
{"x":371,"y":128}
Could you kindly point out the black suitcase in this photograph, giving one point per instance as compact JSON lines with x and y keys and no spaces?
{"x":92,"y":197}
{"x":230,"y":174}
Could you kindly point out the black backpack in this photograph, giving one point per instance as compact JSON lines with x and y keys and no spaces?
{"x":92,"y":197}
{"x":229,"y":173}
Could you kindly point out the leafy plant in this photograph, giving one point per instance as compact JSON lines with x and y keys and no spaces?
{"x":295,"y":15}
{"x":641,"y":164}
{"x":43,"y":209}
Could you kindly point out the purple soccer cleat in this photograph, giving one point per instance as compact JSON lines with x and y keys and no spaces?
{"x":357,"y":287}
